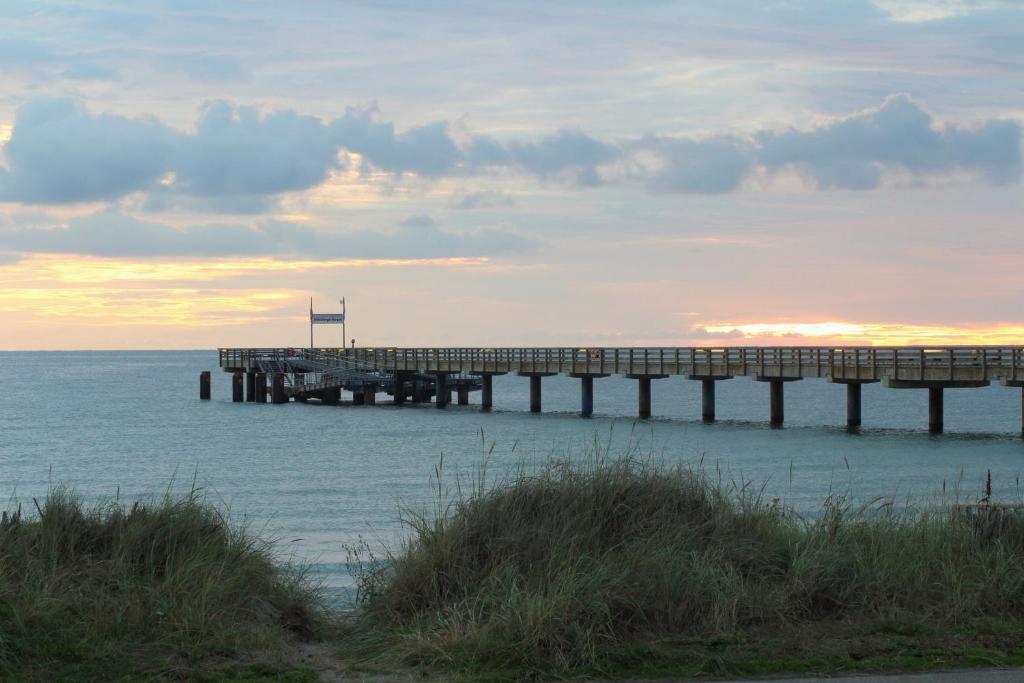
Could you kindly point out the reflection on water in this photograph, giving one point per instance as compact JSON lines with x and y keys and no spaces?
{"x":318,"y":477}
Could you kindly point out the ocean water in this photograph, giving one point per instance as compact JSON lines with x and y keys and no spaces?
{"x":320,"y":477}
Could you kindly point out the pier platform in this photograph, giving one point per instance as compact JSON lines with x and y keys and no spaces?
{"x":422,"y":374}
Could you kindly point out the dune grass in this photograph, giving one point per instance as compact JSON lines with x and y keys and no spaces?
{"x":165,"y":589}
{"x":625,"y":567}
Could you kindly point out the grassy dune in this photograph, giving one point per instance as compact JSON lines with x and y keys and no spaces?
{"x":162,"y":590}
{"x":626,"y":568}
{"x":606,"y":569}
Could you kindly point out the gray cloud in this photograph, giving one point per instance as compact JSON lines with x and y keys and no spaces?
{"x":484,"y":200}
{"x":427,"y":150}
{"x":113,"y":234}
{"x":697,"y":166}
{"x":60,"y":153}
{"x":564,"y":150}
{"x":235,"y":151}
{"x":854,"y":153}
{"x":237,"y":160}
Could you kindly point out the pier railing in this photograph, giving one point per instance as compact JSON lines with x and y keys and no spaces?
{"x":920,"y":363}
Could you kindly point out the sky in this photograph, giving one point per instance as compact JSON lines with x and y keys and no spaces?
{"x":186,"y":174}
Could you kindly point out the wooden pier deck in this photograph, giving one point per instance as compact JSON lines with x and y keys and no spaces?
{"x":397,"y":370}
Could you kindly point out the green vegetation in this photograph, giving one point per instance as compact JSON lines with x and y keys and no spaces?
{"x":162,"y":590}
{"x":626,"y":568}
{"x":607,"y":569}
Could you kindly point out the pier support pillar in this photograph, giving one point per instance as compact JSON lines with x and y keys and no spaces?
{"x":419,"y":391}
{"x":587,"y":391}
{"x":250,"y":387}
{"x":777,"y":403}
{"x":707,"y":395}
{"x":487,"y":392}
{"x":777,"y":408}
{"x":463,"y":395}
{"x":330,"y":397}
{"x":853,"y":405}
{"x":935,"y":412}
{"x":935,"y":395}
{"x":644,"y":393}
{"x":277,"y":394}
{"x":204,"y":385}
{"x":853,"y":400}
{"x":644,"y":396}
{"x":370,"y":395}
{"x":535,"y":394}
{"x":399,"y":388}
{"x":535,"y":390}
{"x":236,"y":387}
{"x":261,"y":387}
{"x":441,"y":392}
{"x":707,"y":400}
{"x":586,"y":395}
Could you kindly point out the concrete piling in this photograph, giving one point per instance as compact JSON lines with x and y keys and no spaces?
{"x":261,"y":387}
{"x":487,"y":392}
{"x":853,"y":405}
{"x":277,"y":395}
{"x":441,"y":391}
{"x":399,"y":388}
{"x":535,"y":393}
{"x":463,"y":395}
{"x":250,"y":387}
{"x":644,"y":395}
{"x":204,"y":385}
{"x":586,"y":395}
{"x":707,"y":400}
{"x":935,"y":412}
{"x":237,"y":395}
{"x":777,"y":403}
{"x":331,"y":397}
{"x":370,"y":395}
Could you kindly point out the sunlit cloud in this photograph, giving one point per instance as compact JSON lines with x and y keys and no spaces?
{"x":54,"y":270}
{"x":872,"y":334}
{"x":172,"y":307}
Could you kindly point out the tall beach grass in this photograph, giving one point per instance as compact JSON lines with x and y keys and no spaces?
{"x":166,"y":588}
{"x":566,"y":569}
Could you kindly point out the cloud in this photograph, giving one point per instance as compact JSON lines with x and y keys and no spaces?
{"x":855,"y":152}
{"x":235,"y":151}
{"x":484,"y":200}
{"x":564,"y":150}
{"x":696,"y":166}
{"x":113,"y":234}
{"x":238,"y":160}
{"x":427,"y":150}
{"x":60,"y":153}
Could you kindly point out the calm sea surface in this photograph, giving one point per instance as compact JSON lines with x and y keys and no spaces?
{"x":319,"y":477}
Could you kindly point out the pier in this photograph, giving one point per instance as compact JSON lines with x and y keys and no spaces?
{"x":424,"y":374}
